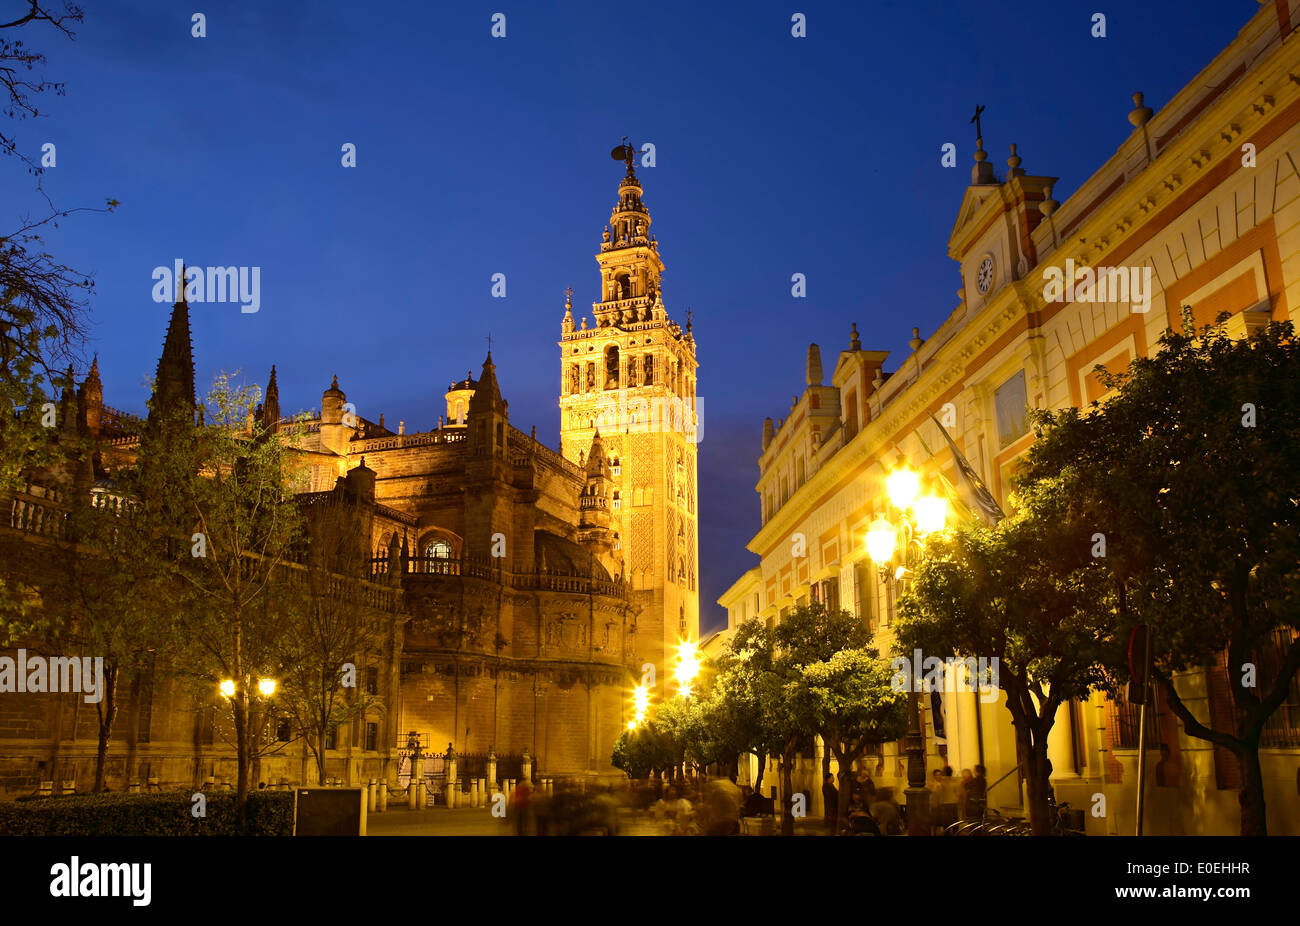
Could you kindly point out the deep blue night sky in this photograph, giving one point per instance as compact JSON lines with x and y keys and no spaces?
{"x":478,"y":156}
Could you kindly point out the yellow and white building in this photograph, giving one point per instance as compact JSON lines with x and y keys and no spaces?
{"x":1203,"y":200}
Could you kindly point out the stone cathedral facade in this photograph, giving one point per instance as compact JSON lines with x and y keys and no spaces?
{"x":526,"y":588}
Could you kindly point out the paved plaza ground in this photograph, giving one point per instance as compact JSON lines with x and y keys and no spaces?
{"x":476,"y":821}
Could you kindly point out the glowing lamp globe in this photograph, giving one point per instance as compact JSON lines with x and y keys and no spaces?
{"x":903,"y":485}
{"x":881,"y":541}
{"x":931,"y":513}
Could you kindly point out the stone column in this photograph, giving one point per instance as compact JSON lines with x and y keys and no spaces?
{"x":492,"y":769}
{"x":527,"y":771}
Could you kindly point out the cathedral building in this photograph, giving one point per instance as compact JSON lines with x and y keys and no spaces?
{"x":528,"y":588}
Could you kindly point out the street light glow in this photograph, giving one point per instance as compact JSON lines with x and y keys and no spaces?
{"x":881,"y":541}
{"x":266,"y":687}
{"x":228,"y":688}
{"x":903,"y":485}
{"x":688,"y":666}
{"x":931,"y":513}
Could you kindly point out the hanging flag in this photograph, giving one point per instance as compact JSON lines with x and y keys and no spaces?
{"x":972,"y":490}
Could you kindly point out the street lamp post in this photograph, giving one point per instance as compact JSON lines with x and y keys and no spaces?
{"x":895,"y":548}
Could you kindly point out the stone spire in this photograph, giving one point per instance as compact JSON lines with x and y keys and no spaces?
{"x":488,"y":394}
{"x":173,"y":387}
{"x":91,"y":395}
{"x":271,"y":405}
{"x":814,"y":370}
{"x":567,"y":324}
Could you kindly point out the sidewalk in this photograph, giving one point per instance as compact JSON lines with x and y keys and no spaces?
{"x":437,"y":821}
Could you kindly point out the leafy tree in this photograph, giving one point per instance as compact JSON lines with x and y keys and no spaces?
{"x":1027,"y":593}
{"x":647,"y":749}
{"x":738,"y":688}
{"x":328,"y":625}
{"x":242,"y":526}
{"x":1190,"y":472}
{"x":120,"y":600}
{"x":850,"y":702}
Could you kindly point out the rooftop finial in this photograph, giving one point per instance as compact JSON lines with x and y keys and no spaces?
{"x":1013,"y":164}
{"x":979,"y":110}
{"x":625,"y":153}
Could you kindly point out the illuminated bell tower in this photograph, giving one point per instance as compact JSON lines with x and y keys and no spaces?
{"x":631,"y":375}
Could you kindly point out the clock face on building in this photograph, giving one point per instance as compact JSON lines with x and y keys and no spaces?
{"x":984,"y":275}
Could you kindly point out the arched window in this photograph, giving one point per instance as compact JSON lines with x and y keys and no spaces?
{"x":648,"y":366}
{"x":437,"y":554}
{"x":611,"y":367}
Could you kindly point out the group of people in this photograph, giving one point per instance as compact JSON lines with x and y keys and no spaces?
{"x":876,"y":811}
{"x":956,"y":799}
{"x":871,"y":811}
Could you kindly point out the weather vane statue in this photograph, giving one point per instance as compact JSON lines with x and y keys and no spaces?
{"x":624,"y":153}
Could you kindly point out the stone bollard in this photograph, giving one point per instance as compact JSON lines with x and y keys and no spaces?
{"x":153,"y":785}
{"x":372,"y":793}
{"x":381,"y":804}
{"x":422,"y":795}
{"x":47,"y":789}
{"x":133,"y":788}
{"x":68,"y":786}
{"x":473,"y":792}
{"x":411,"y":787}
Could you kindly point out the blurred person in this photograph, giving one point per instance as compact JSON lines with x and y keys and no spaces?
{"x":521,"y":802}
{"x":885,"y":812}
{"x":831,"y":799}
{"x":949,"y":795}
{"x":977,"y":797}
{"x":966,"y":779}
{"x":725,"y":800}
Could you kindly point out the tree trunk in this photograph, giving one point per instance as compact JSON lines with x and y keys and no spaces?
{"x":107,"y":709}
{"x":1037,"y":787}
{"x":241,"y":755}
{"x":1254,"y":815}
{"x":787,"y":807}
{"x":320,"y":761}
{"x":846,"y":761}
{"x":762,"y":766}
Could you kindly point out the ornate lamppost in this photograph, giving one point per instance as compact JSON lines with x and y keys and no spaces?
{"x":894,"y":545}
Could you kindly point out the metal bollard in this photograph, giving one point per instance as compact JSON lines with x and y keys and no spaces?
{"x":372,"y":792}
